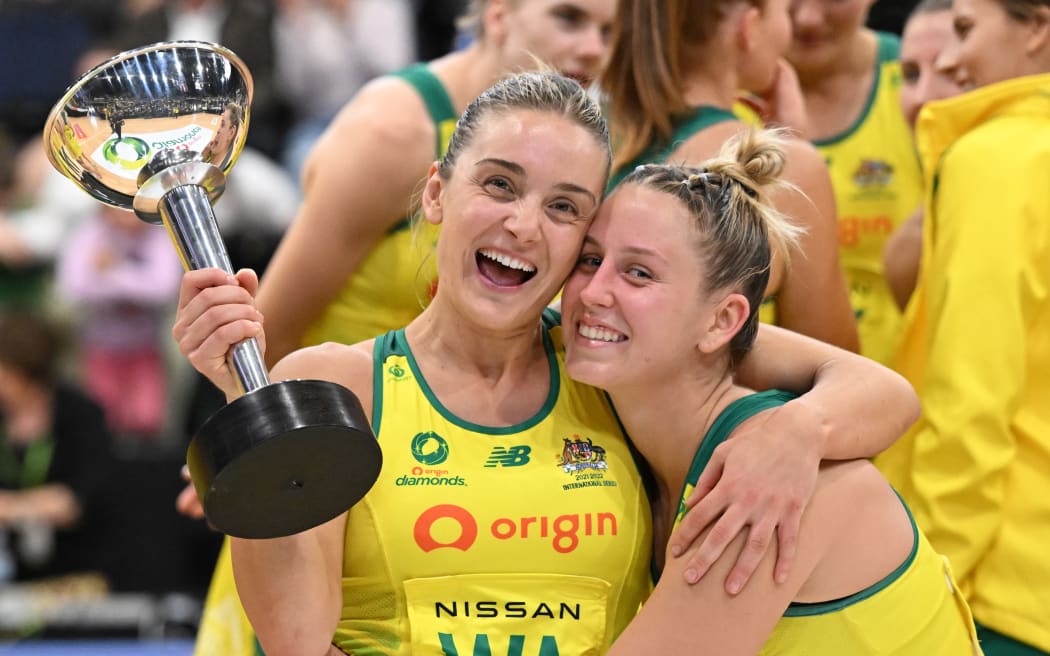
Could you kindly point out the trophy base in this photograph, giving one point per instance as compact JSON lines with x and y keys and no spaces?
{"x":283,"y":458}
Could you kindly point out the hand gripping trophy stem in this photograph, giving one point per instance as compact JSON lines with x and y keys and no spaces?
{"x":155,"y":130}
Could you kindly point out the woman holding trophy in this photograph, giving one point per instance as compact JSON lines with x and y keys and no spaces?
{"x":471,"y":400}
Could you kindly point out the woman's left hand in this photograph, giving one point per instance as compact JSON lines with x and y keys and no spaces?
{"x":759,"y":481}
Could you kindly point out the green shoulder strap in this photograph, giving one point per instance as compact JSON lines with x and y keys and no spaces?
{"x":685,"y":127}
{"x":435,"y":97}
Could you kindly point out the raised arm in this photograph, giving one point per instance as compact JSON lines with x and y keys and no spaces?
{"x":858,"y":406}
{"x":358,"y":182}
{"x":289,"y":587}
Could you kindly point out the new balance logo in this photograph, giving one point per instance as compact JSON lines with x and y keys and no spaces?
{"x":515,"y":456}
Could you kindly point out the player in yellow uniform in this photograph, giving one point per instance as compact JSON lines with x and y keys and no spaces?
{"x":351,"y":267}
{"x":396,"y":279}
{"x":664,"y":302}
{"x":515,"y":193}
{"x":392,"y":286}
{"x":851,"y":78}
{"x":544,"y":521}
{"x":678,"y":107}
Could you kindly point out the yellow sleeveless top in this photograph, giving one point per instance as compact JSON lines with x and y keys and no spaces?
{"x":531,"y":540}
{"x":917,"y":610}
{"x":398,"y":277}
{"x":878,"y":185}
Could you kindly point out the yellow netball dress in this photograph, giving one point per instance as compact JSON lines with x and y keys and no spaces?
{"x":527,"y":540}
{"x":397,"y":278}
{"x":916,"y":610}
{"x":878,"y":185}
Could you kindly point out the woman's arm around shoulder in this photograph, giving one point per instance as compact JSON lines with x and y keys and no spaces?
{"x":855,"y":406}
{"x":358,"y":182}
{"x":849,"y":407}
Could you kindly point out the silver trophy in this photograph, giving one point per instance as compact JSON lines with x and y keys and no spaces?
{"x":155,"y":130}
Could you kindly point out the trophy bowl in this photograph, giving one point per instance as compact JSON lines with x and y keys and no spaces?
{"x":155,"y":130}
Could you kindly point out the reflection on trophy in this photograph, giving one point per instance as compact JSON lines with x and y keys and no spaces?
{"x":155,"y":130}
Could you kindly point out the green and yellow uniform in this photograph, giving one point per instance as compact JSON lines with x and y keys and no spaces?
{"x":915,"y":610}
{"x":398,"y":277}
{"x":531,"y":539}
{"x":878,"y":185}
{"x":691,"y":123}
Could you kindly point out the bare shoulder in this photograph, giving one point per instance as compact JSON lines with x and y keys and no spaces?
{"x":804,"y":161}
{"x":706,"y":143}
{"x":348,"y":365}
{"x":861,"y":527}
{"x":389,"y":108}
{"x":365,"y":169}
{"x":810,"y":198}
{"x":850,"y":480}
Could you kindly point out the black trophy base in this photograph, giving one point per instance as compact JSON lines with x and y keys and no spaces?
{"x":283,"y":458}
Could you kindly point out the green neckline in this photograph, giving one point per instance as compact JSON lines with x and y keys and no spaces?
{"x":727,"y":421}
{"x":688,"y":124}
{"x":732,"y":416}
{"x":397,"y":344}
{"x":888,"y":51}
{"x":804,"y":609}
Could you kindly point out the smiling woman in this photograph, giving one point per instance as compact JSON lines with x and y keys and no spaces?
{"x":349,"y":267}
{"x":477,"y":379}
{"x":664,"y":304}
{"x":367,"y":272}
{"x":474,"y":391}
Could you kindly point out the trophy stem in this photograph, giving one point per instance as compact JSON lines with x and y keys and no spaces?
{"x":155,"y":130}
{"x":187,"y":214}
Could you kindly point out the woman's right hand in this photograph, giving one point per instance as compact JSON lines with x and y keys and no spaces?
{"x":782,"y":104}
{"x":216,"y":311}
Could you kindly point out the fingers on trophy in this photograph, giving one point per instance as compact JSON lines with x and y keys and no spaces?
{"x":155,"y":130}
